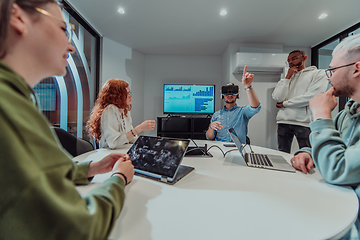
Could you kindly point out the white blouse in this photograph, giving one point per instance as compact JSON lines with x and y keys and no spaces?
{"x":114,"y":125}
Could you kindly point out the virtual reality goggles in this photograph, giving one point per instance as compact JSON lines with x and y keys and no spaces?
{"x":230,"y":90}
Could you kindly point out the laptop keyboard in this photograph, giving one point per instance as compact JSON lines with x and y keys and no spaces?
{"x":260,"y":159}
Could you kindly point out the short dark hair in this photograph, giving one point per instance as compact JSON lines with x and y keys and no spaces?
{"x":5,"y":12}
{"x":298,"y":51}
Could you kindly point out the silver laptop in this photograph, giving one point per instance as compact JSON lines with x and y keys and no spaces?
{"x":159,"y":158}
{"x":272,"y":162}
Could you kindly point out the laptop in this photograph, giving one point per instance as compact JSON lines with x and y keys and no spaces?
{"x":272,"y":162}
{"x":159,"y":158}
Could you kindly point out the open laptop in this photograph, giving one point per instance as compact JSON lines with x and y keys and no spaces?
{"x":272,"y":162}
{"x":159,"y":158}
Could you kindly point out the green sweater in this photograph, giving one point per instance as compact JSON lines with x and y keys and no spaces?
{"x":38,"y":198}
{"x":336,"y":147}
{"x":336,"y":150}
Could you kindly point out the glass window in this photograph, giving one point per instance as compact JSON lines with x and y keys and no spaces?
{"x":67,"y":100}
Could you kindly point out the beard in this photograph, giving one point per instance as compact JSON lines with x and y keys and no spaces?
{"x":346,"y":91}
{"x":230,"y":102}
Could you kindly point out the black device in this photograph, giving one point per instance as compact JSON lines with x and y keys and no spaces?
{"x":229,"y":145}
{"x":230,"y":89}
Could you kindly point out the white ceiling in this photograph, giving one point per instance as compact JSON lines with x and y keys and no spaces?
{"x":195,"y":27}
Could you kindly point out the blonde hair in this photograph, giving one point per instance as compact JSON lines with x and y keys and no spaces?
{"x":351,"y":46}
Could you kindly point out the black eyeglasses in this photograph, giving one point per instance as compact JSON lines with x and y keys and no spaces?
{"x":294,"y":58}
{"x":330,"y":70}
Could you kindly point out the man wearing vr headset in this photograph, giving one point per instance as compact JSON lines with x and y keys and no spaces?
{"x":292,"y":95}
{"x":232,"y":115}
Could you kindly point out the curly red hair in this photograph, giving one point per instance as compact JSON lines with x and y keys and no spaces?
{"x":113,"y":92}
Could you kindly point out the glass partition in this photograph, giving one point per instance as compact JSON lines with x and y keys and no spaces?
{"x":67,"y":100}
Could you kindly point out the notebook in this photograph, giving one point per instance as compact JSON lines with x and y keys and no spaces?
{"x":272,"y":162}
{"x":159,"y":158}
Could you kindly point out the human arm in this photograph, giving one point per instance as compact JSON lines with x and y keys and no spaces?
{"x":144,"y":126}
{"x":115,"y":127}
{"x":282,"y":87}
{"x":335,"y":148}
{"x":214,"y":126}
{"x":317,"y":85}
{"x":302,"y":161}
{"x":37,"y":183}
{"x":106,"y":164}
{"x":247,"y":80}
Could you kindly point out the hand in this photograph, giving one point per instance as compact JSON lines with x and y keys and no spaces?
{"x":322,"y":104}
{"x":279,"y":105}
{"x":247,"y":78}
{"x":106,"y":164}
{"x":125,"y":166}
{"x":147,"y":125}
{"x":303,"y":162}
{"x":291,"y":71}
{"x":216,"y":125}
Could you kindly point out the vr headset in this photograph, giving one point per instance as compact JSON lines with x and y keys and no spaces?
{"x":230,"y":89}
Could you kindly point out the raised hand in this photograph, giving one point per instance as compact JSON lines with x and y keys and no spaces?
{"x":247,"y":78}
{"x":322,"y":104}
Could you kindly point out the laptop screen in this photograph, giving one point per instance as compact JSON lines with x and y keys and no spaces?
{"x":237,"y":142}
{"x":161,"y":156}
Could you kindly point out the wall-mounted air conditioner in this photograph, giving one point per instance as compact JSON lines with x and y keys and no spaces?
{"x":267,"y":63}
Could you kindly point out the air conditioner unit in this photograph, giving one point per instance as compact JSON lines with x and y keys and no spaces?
{"x":267,"y":63}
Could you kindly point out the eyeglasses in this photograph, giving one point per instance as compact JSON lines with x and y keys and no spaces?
{"x":69,"y":27}
{"x":293,"y":59}
{"x":130,"y":94}
{"x":330,"y":70}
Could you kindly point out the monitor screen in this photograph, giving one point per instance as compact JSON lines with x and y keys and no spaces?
{"x":189,"y":99}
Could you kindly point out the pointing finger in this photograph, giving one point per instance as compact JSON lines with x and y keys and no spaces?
{"x":244,"y":72}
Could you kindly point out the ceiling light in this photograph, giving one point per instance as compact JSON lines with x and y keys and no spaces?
{"x":322,"y":16}
{"x":121,"y":10}
{"x":223,"y":12}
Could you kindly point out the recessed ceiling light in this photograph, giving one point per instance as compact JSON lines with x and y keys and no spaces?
{"x":121,"y":10}
{"x":322,"y":16}
{"x":223,"y":12}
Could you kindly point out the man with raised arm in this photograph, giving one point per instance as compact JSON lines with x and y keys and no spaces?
{"x":233,"y":116}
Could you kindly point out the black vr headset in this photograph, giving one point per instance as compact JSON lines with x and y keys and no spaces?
{"x":230,"y":89}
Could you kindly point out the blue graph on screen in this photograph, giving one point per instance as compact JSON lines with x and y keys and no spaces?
{"x":181,"y":98}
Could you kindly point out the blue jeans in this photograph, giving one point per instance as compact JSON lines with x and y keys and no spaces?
{"x":286,"y":133}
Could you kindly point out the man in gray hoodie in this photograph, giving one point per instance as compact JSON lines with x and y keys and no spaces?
{"x":292,"y":95}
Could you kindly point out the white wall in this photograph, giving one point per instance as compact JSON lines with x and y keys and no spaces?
{"x":161,"y":69}
{"x":121,"y":62}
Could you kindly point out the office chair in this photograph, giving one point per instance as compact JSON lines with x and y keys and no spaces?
{"x":75,"y":146}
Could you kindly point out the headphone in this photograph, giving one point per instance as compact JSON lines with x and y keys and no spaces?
{"x":230,"y":88}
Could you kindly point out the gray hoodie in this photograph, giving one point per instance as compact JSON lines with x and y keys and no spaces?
{"x":295,"y":94}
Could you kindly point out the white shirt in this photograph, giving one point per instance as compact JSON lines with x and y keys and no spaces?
{"x":114,"y":125}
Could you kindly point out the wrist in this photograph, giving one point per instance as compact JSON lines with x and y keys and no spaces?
{"x":136,"y":131}
{"x":248,"y":88}
{"x":121,"y":175}
{"x":92,"y":171}
{"x":318,"y":116}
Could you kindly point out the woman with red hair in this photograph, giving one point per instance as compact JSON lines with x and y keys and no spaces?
{"x":110,"y":121}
